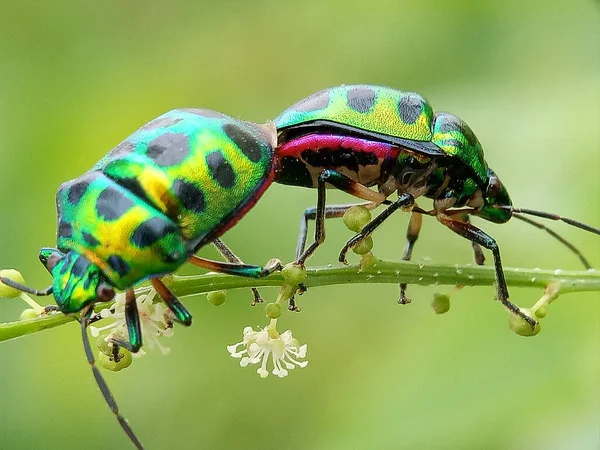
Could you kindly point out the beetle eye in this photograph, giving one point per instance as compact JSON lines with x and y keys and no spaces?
{"x":493,"y":188}
{"x":104,"y":292}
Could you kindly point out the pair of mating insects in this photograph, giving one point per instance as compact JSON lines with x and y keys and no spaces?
{"x":182,"y":180}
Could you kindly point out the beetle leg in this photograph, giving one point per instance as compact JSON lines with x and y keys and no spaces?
{"x":134,"y":329}
{"x":412,"y":234}
{"x":474,"y":234}
{"x":404,"y":201}
{"x":477,"y":250}
{"x":228,"y":254}
{"x":242,"y":270}
{"x":343,"y":183}
{"x":182,"y":315}
{"x":101,"y":382}
{"x":331,"y":212}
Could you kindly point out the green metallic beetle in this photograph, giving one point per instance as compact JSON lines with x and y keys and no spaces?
{"x":361,"y":136}
{"x":169,"y":189}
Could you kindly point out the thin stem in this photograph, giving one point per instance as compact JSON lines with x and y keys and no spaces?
{"x":382,"y":272}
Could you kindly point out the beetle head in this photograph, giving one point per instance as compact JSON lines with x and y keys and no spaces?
{"x":495,"y":200}
{"x":77,"y":282}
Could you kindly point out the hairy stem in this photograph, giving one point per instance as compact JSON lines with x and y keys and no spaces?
{"x":382,"y":272}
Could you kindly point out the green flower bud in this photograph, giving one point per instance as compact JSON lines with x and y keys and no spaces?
{"x":293,"y":274}
{"x":541,"y":312}
{"x":217,"y":298}
{"x":440,"y":303}
{"x":109,"y":363}
{"x":273,"y":310}
{"x":29,"y":314}
{"x":13,"y":275}
{"x":364,"y":246}
{"x":356,"y":218}
{"x":368,"y":261}
{"x":104,"y":347}
{"x":521,"y":326}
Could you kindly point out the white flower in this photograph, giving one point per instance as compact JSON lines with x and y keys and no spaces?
{"x":154,"y":323}
{"x":259,"y":346}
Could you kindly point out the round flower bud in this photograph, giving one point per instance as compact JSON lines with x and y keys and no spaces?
{"x":440,"y":303}
{"x":368,"y":261}
{"x":364,"y":246}
{"x":109,"y":363}
{"x":13,"y":275}
{"x":104,"y":346}
{"x":29,"y":314}
{"x":293,"y":274}
{"x":217,"y":298}
{"x":541,"y":312}
{"x":356,"y":218}
{"x":521,"y":326}
{"x":273,"y":310}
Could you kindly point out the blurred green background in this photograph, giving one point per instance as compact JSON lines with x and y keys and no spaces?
{"x":78,"y":77}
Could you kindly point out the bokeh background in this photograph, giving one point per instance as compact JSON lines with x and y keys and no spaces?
{"x":78,"y":77}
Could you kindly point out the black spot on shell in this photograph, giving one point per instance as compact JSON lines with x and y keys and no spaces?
{"x":118,"y":264}
{"x":169,"y":149}
{"x":150,"y":231}
{"x":132,"y":185}
{"x":204,"y":113}
{"x":162,"y":122}
{"x":90,"y":240}
{"x":245,"y":141}
{"x":190,"y":196}
{"x":124,"y":148}
{"x":77,"y":190}
{"x":315,"y":102}
{"x":410,"y":108}
{"x":361,"y":99}
{"x":65,"y":230}
{"x":64,"y":268}
{"x":220,"y":169}
{"x":453,"y":142}
{"x":112,"y":204}
{"x":80,"y":267}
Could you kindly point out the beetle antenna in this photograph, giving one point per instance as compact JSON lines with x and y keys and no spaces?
{"x":545,"y":215}
{"x":556,"y":236}
{"x":101,"y":382}
{"x":23,"y":288}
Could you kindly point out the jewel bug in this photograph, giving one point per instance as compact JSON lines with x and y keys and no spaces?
{"x":172,"y":187}
{"x":357,"y":137}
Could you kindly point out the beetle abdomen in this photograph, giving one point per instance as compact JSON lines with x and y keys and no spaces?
{"x":198,"y":167}
{"x":301,"y":160}
{"x":174,"y":185}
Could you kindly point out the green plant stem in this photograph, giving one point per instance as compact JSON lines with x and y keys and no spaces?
{"x":382,"y":272}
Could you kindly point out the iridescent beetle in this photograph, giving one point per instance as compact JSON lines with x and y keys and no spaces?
{"x":182,"y":180}
{"x":362,"y":136}
{"x":172,"y":187}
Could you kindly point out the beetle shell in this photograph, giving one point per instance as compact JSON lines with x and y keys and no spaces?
{"x":173,"y":186}
{"x":401,"y":118}
{"x":372,"y":108}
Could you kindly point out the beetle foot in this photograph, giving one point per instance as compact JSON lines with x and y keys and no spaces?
{"x":302,"y":289}
{"x":257,"y":298}
{"x":292,"y":305}
{"x":274,"y":265}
